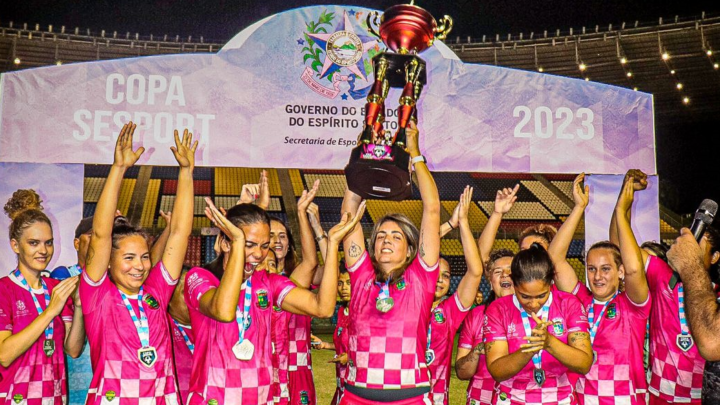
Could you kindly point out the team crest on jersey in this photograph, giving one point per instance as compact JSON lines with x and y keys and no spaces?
{"x":22,"y":309}
{"x":401,"y":285}
{"x":304,"y":398}
{"x":151,"y":301}
{"x":17,"y":398}
{"x":558,"y":326}
{"x":611,"y":311}
{"x":110,"y":395}
{"x":262,"y":299}
{"x":439,"y":316}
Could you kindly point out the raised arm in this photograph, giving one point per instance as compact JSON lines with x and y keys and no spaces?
{"x":354,"y":241}
{"x":633,"y":257}
{"x":320,"y":237}
{"x":504,"y":200}
{"x":703,"y":312}
{"x":467,"y":289}
{"x":181,"y":223}
{"x":322,"y":305}
{"x":159,"y":246}
{"x":302,"y":275}
{"x":258,"y":194}
{"x":565,"y":277}
{"x":100,"y":247}
{"x":220,"y":303}
{"x":429,"y":242}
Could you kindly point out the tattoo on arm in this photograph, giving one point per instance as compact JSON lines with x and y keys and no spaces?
{"x":354,"y":250}
{"x":488,"y":347}
{"x":578,"y":337}
{"x":422,"y":245}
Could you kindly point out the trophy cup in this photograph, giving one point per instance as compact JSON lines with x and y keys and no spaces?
{"x":379,"y":166}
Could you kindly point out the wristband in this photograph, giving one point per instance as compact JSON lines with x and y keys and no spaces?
{"x":418,"y":159}
{"x":450,"y":225}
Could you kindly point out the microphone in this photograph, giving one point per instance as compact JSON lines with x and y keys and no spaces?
{"x":703,"y":217}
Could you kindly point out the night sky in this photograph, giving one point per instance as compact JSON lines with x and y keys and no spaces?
{"x":684,"y":147}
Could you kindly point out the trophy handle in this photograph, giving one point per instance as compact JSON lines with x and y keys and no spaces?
{"x":373,"y":17}
{"x":444,"y":28}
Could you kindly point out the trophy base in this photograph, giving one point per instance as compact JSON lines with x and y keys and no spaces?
{"x":396,"y":68}
{"x":379,"y":172}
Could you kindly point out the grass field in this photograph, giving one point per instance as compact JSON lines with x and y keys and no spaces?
{"x":324,"y":375}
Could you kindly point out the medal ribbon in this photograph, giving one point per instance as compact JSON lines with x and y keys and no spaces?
{"x":185,"y":336}
{"x":243,"y":318}
{"x":141,"y":325}
{"x":543,"y":315}
{"x":594,"y":326}
{"x":681,"y":304}
{"x":49,"y":330}
{"x":384,"y":289}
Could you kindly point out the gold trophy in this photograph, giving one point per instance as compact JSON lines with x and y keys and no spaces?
{"x":379,"y":165}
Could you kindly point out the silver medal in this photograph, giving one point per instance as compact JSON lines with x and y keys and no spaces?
{"x":243,"y":350}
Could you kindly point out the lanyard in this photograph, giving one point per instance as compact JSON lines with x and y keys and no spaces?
{"x":19,"y":276}
{"x":681,"y":304}
{"x":243,"y":318}
{"x":185,"y":336}
{"x":543,"y":315}
{"x":594,"y":326}
{"x":384,"y":289}
{"x":141,"y":325}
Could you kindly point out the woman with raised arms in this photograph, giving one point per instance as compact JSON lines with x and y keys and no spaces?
{"x":393,"y":290}
{"x":231,"y":317}
{"x":124,"y":297}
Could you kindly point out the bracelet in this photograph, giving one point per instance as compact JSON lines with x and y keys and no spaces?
{"x":450,"y":225}
{"x":321,"y":237}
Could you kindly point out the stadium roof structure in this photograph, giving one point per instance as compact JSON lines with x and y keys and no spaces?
{"x":677,"y":62}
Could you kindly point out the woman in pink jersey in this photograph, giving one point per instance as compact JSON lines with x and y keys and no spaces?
{"x":534,"y":337}
{"x":470,"y":362}
{"x":231,"y":317}
{"x":393,"y":290}
{"x":125,"y":300}
{"x":617,"y":315}
{"x":677,"y":366}
{"x":183,"y":340}
{"x":340,"y":336}
{"x":448,"y":313}
{"x":38,"y":324}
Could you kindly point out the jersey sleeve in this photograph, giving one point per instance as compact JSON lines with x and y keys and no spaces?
{"x":280,"y":287}
{"x":457,"y":313}
{"x":575,"y":315}
{"x":582,"y":292}
{"x":162,"y":282}
{"x":428,"y":275}
{"x":92,"y":293}
{"x":471,"y":333}
{"x":6,"y":310}
{"x":640,"y":311}
{"x":198,"y":281}
{"x":656,"y":272}
{"x":494,"y":325}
